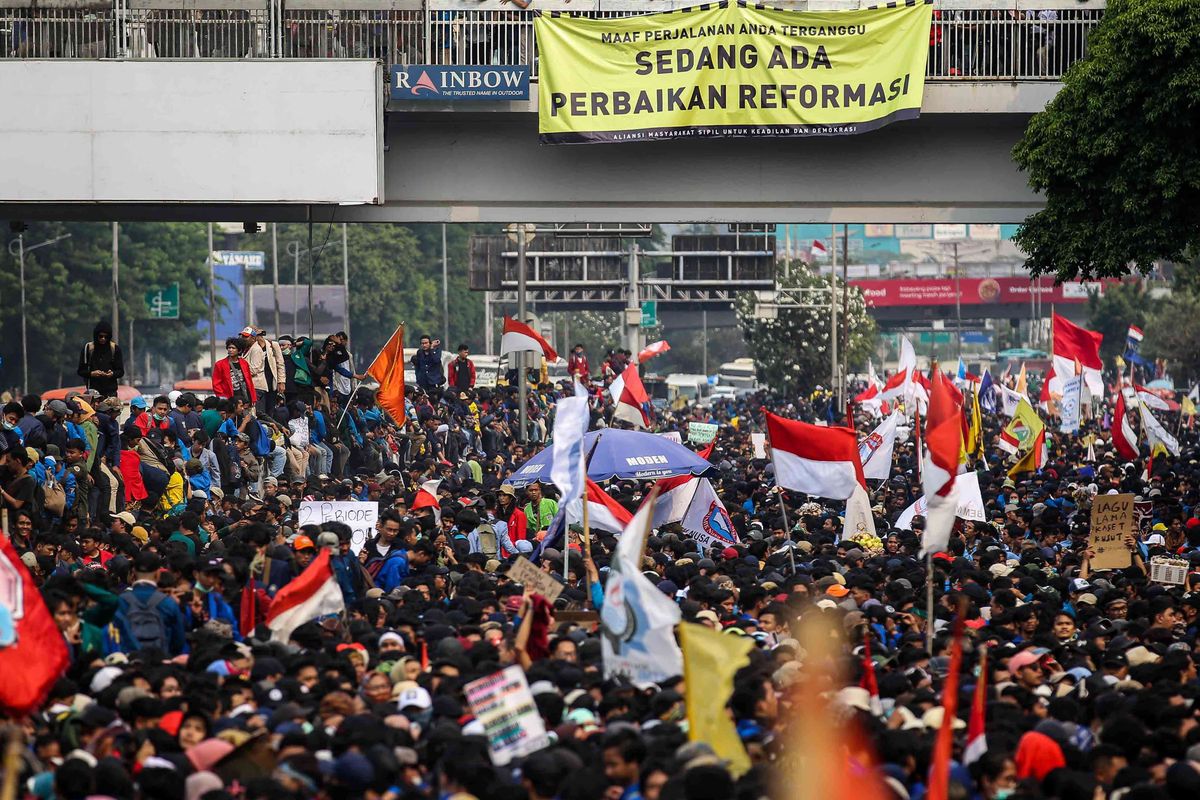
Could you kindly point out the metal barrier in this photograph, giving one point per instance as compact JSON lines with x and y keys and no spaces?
{"x":62,"y":30}
{"x":970,"y":39}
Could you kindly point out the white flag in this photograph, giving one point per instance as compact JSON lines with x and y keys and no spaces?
{"x":1069,"y":406}
{"x":567,"y":467}
{"x":859,"y":519}
{"x":706,"y":519}
{"x":875,"y":451}
{"x":1156,"y":434}
{"x":969,"y":502}
{"x":637,"y":621}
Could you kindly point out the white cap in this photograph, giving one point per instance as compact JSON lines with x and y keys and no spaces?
{"x":415,"y":697}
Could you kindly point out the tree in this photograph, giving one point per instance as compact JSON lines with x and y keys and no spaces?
{"x":68,"y":289}
{"x":1172,"y":331}
{"x":1113,"y":312}
{"x":1116,"y":153}
{"x":792,"y":350}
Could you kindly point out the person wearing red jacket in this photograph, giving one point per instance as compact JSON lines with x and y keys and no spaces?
{"x":231,"y":375}
{"x":577,"y":364}
{"x":462,"y":370}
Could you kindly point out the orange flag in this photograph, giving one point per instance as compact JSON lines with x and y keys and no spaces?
{"x":388,"y":369}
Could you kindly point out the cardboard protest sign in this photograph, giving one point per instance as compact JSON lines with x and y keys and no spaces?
{"x":361,"y":517}
{"x":526,"y":573}
{"x":1112,"y":520}
{"x":701,"y":432}
{"x":503,"y":704}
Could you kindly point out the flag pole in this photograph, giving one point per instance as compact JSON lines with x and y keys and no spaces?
{"x":787,"y":526}
{"x":400,"y":422}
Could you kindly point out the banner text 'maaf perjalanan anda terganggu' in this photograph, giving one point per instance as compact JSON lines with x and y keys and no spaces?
{"x":730,"y":69}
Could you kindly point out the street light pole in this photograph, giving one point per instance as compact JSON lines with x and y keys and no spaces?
{"x":275,"y":272}
{"x":521,"y":315}
{"x":20,"y":254}
{"x":957,"y":303}
{"x":212,"y":304}
{"x":116,"y":261}
{"x":346,"y":283}
{"x":445,"y":292}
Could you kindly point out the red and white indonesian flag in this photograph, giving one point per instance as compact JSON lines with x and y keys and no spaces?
{"x":675,"y":494}
{"x":943,"y":444}
{"x":519,"y":337}
{"x":1123,"y":438}
{"x":427,"y":497}
{"x":604,"y":512}
{"x":908,"y":384}
{"x":817,"y":250}
{"x":820,"y":461}
{"x":630,"y":397}
{"x":1075,"y":344}
{"x":314,"y":594}
{"x":875,"y":451}
{"x":652,"y":350}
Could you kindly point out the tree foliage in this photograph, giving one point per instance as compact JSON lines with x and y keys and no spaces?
{"x":1116,"y":153}
{"x":1113,"y":312}
{"x":68,"y":289}
{"x":1172,"y":332}
{"x":792,"y":350}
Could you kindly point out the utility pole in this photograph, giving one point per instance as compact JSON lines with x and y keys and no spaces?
{"x":843,"y":384}
{"x":833,"y":321}
{"x":275,"y":272}
{"x":445,"y":293}
{"x":633,"y":306}
{"x":957,"y":303}
{"x":212,"y":303}
{"x":116,"y":287}
{"x":521,"y":315}
{"x":346,"y":285}
{"x":704,"y":329}
{"x":20,"y":254}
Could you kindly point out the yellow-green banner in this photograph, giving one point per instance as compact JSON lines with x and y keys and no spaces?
{"x":730,"y":69}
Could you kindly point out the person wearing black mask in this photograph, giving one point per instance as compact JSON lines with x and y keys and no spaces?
{"x":101,"y":364}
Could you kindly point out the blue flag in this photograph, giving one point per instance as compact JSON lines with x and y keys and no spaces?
{"x":987,"y":393}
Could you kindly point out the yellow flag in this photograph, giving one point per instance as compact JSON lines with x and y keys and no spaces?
{"x":1022,"y":381}
{"x":1187,"y":406}
{"x":710,"y":660}
{"x":975,"y":431}
{"x":1025,"y":427}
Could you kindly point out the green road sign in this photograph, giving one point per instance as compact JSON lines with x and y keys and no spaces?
{"x":163,"y":303}
{"x":649,"y":313}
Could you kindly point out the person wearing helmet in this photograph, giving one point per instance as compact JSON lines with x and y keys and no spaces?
{"x":306,"y":551}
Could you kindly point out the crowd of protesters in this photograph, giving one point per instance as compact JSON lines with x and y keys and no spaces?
{"x":159,"y":535}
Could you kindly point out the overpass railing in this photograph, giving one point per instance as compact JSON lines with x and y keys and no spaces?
{"x":970,"y":40}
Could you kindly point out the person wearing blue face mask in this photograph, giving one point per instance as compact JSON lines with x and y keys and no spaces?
{"x":12,"y":415}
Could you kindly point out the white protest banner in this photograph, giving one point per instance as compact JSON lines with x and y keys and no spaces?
{"x":526,"y":573}
{"x":503,"y":704}
{"x":970,"y":502}
{"x":759,"y":442}
{"x":672,"y":436}
{"x":361,"y":517}
{"x":701,"y":432}
{"x":1069,"y":405}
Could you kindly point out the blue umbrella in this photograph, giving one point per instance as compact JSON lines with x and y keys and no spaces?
{"x":616,"y":453}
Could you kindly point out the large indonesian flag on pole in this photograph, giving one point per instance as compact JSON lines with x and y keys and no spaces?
{"x":314,"y":594}
{"x":604,"y":512}
{"x":1074,"y":344}
{"x":943,"y":444}
{"x":630,"y":397}
{"x":652,"y":350}
{"x":819,"y":461}
{"x":519,"y":337}
{"x":1124,"y":440}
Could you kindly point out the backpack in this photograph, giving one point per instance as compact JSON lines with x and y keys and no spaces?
{"x":262,"y":444}
{"x":145,"y":623}
{"x":488,"y":541}
{"x":54,"y":496}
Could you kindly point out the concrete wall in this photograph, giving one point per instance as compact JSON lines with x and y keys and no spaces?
{"x":191,"y":131}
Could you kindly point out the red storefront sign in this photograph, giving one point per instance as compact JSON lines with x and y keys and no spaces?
{"x":975,"y":291}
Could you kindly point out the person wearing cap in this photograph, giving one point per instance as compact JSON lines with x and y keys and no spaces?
{"x":101,"y":362}
{"x":213,"y":611}
{"x":305,"y":551}
{"x":231,"y":378}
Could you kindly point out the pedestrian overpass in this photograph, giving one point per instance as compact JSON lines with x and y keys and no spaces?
{"x":278,"y":110}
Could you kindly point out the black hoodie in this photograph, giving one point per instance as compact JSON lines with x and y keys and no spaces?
{"x":106,"y":357}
